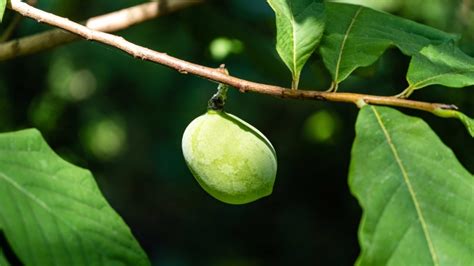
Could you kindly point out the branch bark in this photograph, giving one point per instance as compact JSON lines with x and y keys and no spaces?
{"x":110,"y":22}
{"x":214,"y":74}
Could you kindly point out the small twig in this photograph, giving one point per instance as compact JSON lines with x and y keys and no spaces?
{"x":110,"y":22}
{"x":8,"y":32}
{"x":212,"y":73}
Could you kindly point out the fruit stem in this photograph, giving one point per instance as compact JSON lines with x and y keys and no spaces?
{"x":218,"y":100}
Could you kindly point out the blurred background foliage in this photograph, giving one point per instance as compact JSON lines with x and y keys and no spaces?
{"x":123,"y":119}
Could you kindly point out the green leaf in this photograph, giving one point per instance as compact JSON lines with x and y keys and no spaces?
{"x":3,"y":5}
{"x":357,"y":36}
{"x":300,"y":26}
{"x":417,"y":199}
{"x":467,"y":121}
{"x":53,"y":212}
{"x":3,"y":259}
{"x":443,"y":64}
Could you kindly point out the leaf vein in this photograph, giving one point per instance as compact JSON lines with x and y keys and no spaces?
{"x":346,"y":35}
{"x":293,"y":28}
{"x":424,"y":82}
{"x":407,"y":181}
{"x":49,"y":210}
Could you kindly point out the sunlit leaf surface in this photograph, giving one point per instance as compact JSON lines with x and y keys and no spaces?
{"x":357,"y":36}
{"x":443,"y":64}
{"x":52,"y":212}
{"x":300,"y":26}
{"x":417,"y":199}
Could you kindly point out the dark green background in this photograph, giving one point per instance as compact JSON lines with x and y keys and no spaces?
{"x":311,"y":217}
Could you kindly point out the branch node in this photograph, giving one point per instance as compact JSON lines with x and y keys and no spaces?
{"x":223,"y":69}
{"x":361,"y":103}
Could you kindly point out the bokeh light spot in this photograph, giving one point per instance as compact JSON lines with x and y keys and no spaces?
{"x":82,"y":85}
{"x":67,"y":83}
{"x":105,"y":138}
{"x":45,"y":111}
{"x":222,"y":47}
{"x":59,"y":76}
{"x":320,"y":127}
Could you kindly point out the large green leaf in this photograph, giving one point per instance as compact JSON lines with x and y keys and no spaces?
{"x":443,"y":64}
{"x":417,"y":199}
{"x":300,"y":26}
{"x":357,"y":36}
{"x":53,"y":213}
{"x":3,"y":5}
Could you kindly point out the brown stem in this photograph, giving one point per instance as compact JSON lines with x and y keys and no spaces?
{"x":110,"y":22}
{"x":214,"y":74}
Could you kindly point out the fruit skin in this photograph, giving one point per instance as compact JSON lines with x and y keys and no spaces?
{"x":229,"y":158}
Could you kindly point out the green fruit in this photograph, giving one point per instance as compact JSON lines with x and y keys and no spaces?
{"x":229,"y":158}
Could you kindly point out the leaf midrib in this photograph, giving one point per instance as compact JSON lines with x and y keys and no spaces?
{"x":407,"y":181}
{"x":291,"y":18}
{"x":346,"y":35}
{"x":293,"y":33}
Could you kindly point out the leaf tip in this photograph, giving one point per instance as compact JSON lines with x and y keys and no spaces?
{"x":466,"y":120}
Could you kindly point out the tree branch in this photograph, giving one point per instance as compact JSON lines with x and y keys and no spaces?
{"x":214,"y":74}
{"x":110,"y":22}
